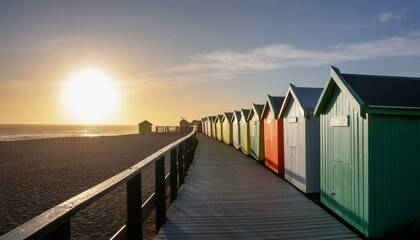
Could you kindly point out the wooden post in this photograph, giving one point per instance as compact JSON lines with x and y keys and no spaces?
{"x":174,"y":174}
{"x":62,"y":232}
{"x":160,"y":199}
{"x":134,"y":212}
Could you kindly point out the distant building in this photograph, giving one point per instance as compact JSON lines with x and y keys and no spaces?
{"x":197,"y":124}
{"x":184,"y":125}
{"x":145,"y":127}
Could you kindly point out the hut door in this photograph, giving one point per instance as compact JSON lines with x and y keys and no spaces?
{"x":292,"y":136}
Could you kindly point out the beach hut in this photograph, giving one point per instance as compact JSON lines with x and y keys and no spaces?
{"x":219,"y":127}
{"x":273,"y":134}
{"x":301,"y":138}
{"x":145,"y":127}
{"x":370,"y":151}
{"x":227,"y":120}
{"x":213,"y":127}
{"x":244,"y":131}
{"x":256,"y":131}
{"x":236,"y":129}
{"x":209,"y":125}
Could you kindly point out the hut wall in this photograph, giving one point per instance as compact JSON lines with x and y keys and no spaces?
{"x":235,"y":134}
{"x":244,"y":136}
{"x":295,"y":146}
{"x":213,"y":130}
{"x":219,"y":130}
{"x":227,"y":132}
{"x":273,"y":144}
{"x":344,"y":165}
{"x":394,"y":182}
{"x":209,"y":128}
{"x":256,"y":138}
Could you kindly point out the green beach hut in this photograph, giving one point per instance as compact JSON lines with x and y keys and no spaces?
{"x":244,"y":132}
{"x":256,"y":131}
{"x":227,"y":121}
{"x":219,"y":127}
{"x":370,"y":152}
{"x":236,"y":129}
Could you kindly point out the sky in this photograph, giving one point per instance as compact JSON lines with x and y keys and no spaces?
{"x":191,"y":58}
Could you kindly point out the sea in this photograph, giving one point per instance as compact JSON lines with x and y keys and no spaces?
{"x":18,"y":132}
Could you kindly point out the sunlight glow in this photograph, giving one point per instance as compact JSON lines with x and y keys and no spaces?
{"x":90,"y":96}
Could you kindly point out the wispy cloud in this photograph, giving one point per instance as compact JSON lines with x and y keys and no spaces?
{"x":385,"y":17}
{"x":282,"y":56}
{"x":49,"y":44}
{"x":12,"y":84}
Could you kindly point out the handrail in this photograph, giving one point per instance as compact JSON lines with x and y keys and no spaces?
{"x":55,"y":222}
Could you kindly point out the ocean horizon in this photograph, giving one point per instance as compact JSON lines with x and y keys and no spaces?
{"x":18,"y":132}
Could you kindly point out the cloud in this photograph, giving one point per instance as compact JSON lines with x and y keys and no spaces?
{"x":283,"y":56}
{"x":12,"y":84}
{"x":388,"y":16}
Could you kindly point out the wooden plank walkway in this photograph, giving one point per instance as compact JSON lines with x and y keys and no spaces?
{"x":228,"y":195}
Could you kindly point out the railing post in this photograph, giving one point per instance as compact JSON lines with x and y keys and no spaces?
{"x":181,"y":163}
{"x":160,"y":199}
{"x":174,"y":175}
{"x":134,"y":212}
{"x":62,"y":232}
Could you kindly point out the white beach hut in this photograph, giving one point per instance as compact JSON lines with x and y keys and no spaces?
{"x":301,"y":138}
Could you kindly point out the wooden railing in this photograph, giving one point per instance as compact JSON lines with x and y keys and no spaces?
{"x":55,"y":222}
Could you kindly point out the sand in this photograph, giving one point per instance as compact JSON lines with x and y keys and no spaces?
{"x":36,"y":175}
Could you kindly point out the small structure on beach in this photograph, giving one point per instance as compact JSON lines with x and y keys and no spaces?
{"x":256,"y":131}
{"x":227,"y":120}
{"x":236,"y":129}
{"x":370,"y":138}
{"x":273,"y":134}
{"x":145,"y":127}
{"x":184,"y":124}
{"x":244,"y":131}
{"x":301,"y":138}
{"x":213,"y":127}
{"x":219,"y":127}
{"x":209,"y":125}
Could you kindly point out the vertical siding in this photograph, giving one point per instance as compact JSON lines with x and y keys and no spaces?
{"x":244,"y":136}
{"x":273,"y":143}
{"x":227,"y":132}
{"x":312,"y":145}
{"x":344,"y":166}
{"x":394,"y":156}
{"x":256,"y":138}
{"x":219,"y":130}
{"x":235,"y":134}
{"x":295,"y":146}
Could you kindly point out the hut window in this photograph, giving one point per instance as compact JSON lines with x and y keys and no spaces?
{"x":269,"y":121}
{"x":292,"y":119}
{"x":339,"y":121}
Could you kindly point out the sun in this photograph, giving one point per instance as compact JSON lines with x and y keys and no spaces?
{"x":90,"y":96}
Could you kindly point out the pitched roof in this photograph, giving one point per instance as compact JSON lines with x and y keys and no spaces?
{"x":257,"y":109}
{"x":386,"y":91}
{"x":245,"y":112}
{"x":228,"y":116}
{"x":376,"y":94}
{"x":306,"y":97}
{"x":274,"y":103}
{"x":237,"y":115}
{"x":145,"y":122}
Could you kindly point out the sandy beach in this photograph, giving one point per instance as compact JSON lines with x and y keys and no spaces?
{"x":36,"y":175}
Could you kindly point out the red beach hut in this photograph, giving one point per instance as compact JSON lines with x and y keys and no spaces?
{"x":273,"y":134}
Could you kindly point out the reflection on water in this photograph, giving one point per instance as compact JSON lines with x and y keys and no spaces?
{"x":15,"y":132}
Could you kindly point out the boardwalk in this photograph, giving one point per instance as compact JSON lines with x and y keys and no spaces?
{"x":227,"y":195}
